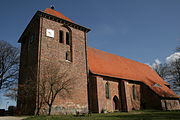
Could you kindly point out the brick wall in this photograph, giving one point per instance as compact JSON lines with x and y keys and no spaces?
{"x":93,"y":96}
{"x":104,"y":103}
{"x":44,"y":50}
{"x":133,"y":101}
{"x":118,"y":88}
{"x":26,"y":101}
{"x":53,"y":51}
{"x":170,"y":104}
{"x":149,"y":99}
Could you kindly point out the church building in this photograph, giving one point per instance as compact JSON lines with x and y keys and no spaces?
{"x":102,"y":81}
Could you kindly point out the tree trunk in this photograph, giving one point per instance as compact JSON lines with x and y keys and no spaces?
{"x":50,"y":106}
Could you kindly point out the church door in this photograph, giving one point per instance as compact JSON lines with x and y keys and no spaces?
{"x":116,"y":104}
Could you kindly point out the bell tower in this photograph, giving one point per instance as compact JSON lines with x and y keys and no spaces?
{"x":52,"y":38}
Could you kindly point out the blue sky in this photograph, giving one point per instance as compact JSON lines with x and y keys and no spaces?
{"x":142,"y":30}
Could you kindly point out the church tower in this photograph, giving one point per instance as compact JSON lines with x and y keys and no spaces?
{"x":53,"y":39}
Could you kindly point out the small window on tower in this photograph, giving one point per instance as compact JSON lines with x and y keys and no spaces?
{"x":61,"y":36}
{"x":68,"y":41}
{"x":68,"y":56}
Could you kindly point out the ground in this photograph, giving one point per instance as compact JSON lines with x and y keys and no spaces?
{"x":136,"y":115}
{"x":12,"y":118}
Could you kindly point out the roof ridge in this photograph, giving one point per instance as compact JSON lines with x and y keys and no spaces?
{"x":57,"y":14}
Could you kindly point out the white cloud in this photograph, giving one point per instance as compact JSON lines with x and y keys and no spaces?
{"x":156,"y":63}
{"x":173,"y":57}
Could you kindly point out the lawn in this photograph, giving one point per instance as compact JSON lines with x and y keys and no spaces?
{"x":136,"y":115}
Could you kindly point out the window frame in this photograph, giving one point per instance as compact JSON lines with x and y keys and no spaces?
{"x":68,"y":38}
{"x":107,"y":90}
{"x":61,"y":36}
{"x":134,"y":92}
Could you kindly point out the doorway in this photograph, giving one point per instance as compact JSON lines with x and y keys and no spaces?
{"x":116,"y":104}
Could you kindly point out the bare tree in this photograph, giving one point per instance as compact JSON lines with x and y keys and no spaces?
{"x":54,"y":83}
{"x":160,"y":68}
{"x":12,"y":92}
{"x":9,"y":64}
{"x":174,"y":73}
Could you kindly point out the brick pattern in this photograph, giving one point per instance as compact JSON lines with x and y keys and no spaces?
{"x":103,"y":102}
{"x":119,"y":88}
{"x":132,"y":103}
{"x":53,"y":51}
{"x":45,"y":50}
{"x":149,"y":100}
{"x":170,"y":104}
{"x":28,"y":70}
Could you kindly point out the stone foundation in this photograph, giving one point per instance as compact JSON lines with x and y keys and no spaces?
{"x":170,"y":104}
{"x":66,"y":109}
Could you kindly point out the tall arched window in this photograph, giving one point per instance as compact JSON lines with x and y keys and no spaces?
{"x":61,"y":36}
{"x":65,"y":35}
{"x":134,"y":92}
{"x":68,"y":38}
{"x":107,"y":90}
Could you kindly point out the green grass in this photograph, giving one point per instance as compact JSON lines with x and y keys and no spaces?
{"x":136,"y":115}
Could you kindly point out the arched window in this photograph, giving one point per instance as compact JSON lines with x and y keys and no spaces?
{"x":107,"y":90}
{"x":68,"y":38}
{"x":61,"y":36}
{"x":134,"y":92}
{"x":65,"y":35}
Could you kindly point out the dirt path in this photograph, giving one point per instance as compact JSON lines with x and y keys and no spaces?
{"x":12,"y":118}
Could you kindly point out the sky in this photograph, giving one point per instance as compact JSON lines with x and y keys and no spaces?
{"x":141,"y":30}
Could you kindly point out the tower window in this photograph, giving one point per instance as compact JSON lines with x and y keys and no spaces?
{"x":134,"y":92}
{"x":61,"y":36}
{"x":68,"y":41}
{"x":107,"y":90}
{"x":68,"y":56}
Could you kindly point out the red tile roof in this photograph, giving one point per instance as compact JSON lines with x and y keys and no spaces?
{"x":57,"y":14}
{"x":106,"y":64}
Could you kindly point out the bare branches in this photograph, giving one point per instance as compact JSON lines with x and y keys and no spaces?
{"x":170,"y":72}
{"x":174,"y":71}
{"x":54,"y":83}
{"x":12,"y":92}
{"x":161,"y":70}
{"x":9,"y":63}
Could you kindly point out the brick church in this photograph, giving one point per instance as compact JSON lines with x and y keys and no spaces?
{"x":105,"y":82}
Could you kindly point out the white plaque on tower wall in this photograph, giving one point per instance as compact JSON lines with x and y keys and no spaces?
{"x":50,"y":33}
